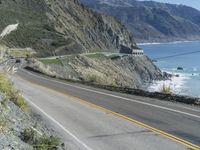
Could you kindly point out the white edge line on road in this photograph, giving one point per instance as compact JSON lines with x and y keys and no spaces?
{"x":57,"y":123}
{"x":111,"y":95}
{"x":184,"y":107}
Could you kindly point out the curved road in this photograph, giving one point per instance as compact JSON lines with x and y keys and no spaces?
{"x":179,"y":120}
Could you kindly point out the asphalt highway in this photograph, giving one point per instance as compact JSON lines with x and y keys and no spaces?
{"x":175,"y":122}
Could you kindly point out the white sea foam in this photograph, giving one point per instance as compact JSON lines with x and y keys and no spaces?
{"x":195,"y":69}
{"x":157,"y":43}
{"x":148,"y":43}
{"x":177,"y":84}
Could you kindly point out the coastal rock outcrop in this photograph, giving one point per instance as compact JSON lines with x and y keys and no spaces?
{"x":127,"y":71}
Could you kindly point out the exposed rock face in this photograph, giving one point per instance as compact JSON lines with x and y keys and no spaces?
{"x":152,"y":21}
{"x":129,"y":71}
{"x":53,"y":27}
{"x":61,"y":27}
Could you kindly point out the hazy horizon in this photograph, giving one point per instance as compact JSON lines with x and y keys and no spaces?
{"x":191,"y":3}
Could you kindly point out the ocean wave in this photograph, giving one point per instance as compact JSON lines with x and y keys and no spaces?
{"x":176,"y":83}
{"x":140,"y":44}
{"x":195,"y":69}
{"x":186,"y":72}
{"x":174,"y":42}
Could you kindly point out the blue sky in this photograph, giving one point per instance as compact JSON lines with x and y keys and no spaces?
{"x":192,"y":3}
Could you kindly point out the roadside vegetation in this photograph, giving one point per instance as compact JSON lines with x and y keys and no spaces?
{"x":10,"y":93}
{"x":51,"y":61}
{"x":26,"y":52}
{"x":38,"y":141}
{"x":6,"y":52}
{"x":102,"y":55}
{"x":2,"y":51}
{"x":95,"y":55}
{"x":166,"y":89}
{"x":17,"y":123}
{"x":114,"y":56}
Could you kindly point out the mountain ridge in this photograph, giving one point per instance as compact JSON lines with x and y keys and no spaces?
{"x":55,"y":27}
{"x":151,"y":21}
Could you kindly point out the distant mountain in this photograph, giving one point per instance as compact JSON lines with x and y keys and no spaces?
{"x":151,"y":21}
{"x":61,"y":27}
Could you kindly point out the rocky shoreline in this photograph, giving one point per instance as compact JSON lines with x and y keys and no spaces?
{"x":128,"y":65}
{"x":138,"y":92}
{"x":158,"y":95}
{"x":126,"y":71}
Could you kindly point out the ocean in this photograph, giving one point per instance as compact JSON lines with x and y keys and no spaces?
{"x":188,"y":82}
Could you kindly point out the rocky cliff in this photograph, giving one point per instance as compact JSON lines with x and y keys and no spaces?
{"x":151,"y":21}
{"x":61,"y":27}
{"x":54,"y":27}
{"x":127,"y":71}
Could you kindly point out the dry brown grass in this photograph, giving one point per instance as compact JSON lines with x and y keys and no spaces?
{"x":166,"y":89}
{"x":10,"y":93}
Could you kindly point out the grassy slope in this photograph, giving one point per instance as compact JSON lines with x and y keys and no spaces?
{"x":34,"y":28}
{"x":51,"y":61}
{"x":10,"y":93}
{"x":63,"y":26}
{"x":29,"y":135}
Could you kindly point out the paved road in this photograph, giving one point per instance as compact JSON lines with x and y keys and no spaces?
{"x":110,"y":130}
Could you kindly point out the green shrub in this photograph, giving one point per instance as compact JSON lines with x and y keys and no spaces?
{"x":47,"y":143}
{"x":10,"y":93}
{"x":28,"y":136}
{"x":6,"y":86}
{"x":51,"y":61}
{"x":20,"y":52}
{"x":39,"y":142}
{"x":20,"y":102}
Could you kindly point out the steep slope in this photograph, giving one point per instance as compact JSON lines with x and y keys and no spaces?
{"x":126,"y":71}
{"x":152,"y":21}
{"x":60,"y":27}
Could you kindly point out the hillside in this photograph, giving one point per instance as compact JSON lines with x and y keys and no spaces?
{"x":61,"y":27}
{"x":99,"y":69}
{"x":57,"y":27}
{"x":152,"y":21}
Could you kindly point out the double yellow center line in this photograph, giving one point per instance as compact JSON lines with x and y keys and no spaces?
{"x":157,"y":131}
